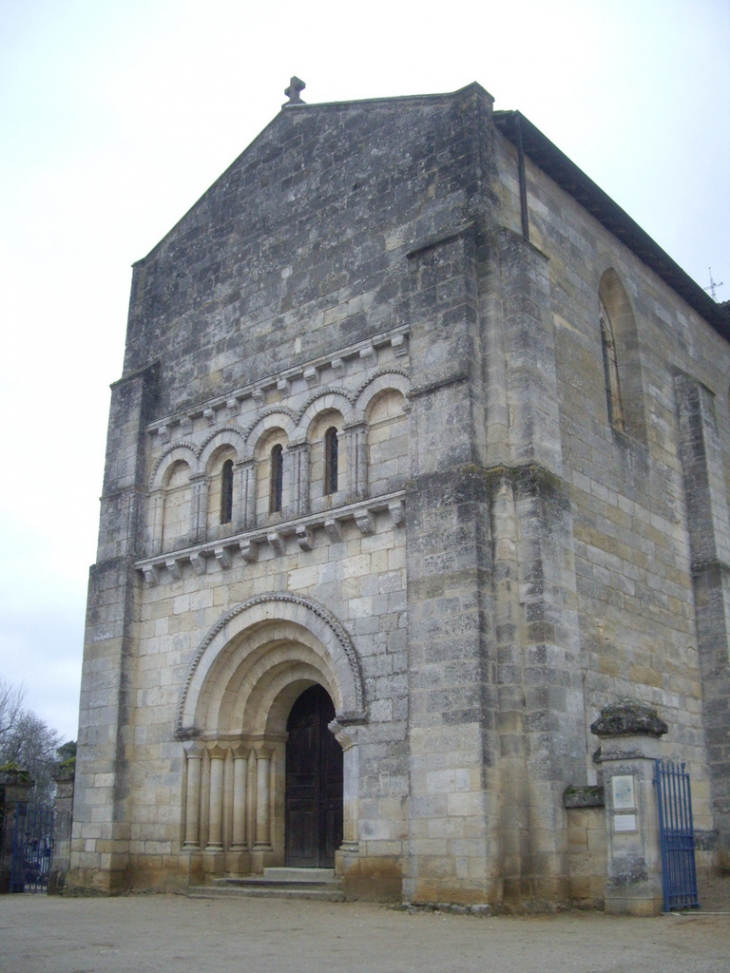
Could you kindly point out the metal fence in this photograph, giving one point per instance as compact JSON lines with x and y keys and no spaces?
{"x":32,"y":848}
{"x":679,"y":877}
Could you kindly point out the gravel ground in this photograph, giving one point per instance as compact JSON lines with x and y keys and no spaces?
{"x":160,"y":933}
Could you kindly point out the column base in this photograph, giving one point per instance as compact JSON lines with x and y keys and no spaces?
{"x":238,"y":861}
{"x":214,"y":862}
{"x":262,"y":856}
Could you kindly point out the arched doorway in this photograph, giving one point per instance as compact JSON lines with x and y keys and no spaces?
{"x":314,"y":781}
{"x":242,"y":688}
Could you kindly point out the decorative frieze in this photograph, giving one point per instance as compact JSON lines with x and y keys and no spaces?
{"x":247,"y":544}
{"x":307,"y":375}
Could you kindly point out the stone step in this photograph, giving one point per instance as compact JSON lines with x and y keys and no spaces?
{"x":308,"y":875}
{"x":281,"y":883}
{"x":286,"y":890}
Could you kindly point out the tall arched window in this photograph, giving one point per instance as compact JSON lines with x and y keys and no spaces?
{"x":227,"y":492}
{"x":330,"y":461}
{"x":610,"y":367}
{"x":276,"y":488}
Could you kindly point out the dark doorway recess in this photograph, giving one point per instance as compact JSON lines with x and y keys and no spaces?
{"x":313,"y":783}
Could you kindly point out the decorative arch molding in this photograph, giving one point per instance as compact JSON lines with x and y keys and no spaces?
{"x":322,"y":401}
{"x":385,"y":379}
{"x":275,"y":415}
{"x":176,"y":451}
{"x":340,"y":659}
{"x":225,"y":436}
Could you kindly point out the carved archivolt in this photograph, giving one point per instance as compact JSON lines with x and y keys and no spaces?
{"x":177,"y":451}
{"x":298,"y":485}
{"x":254,"y":652}
{"x":338,"y":399}
{"x":225,"y":436}
{"x":384,"y":378}
{"x":275,"y":415}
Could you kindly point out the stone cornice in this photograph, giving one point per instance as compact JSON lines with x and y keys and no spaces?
{"x":308,"y":371}
{"x":420,"y":390}
{"x":246,"y":543}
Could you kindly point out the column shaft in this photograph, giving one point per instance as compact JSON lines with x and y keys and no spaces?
{"x":240,"y":772}
{"x":244,"y":495}
{"x":263,"y":823}
{"x":192,"y":801}
{"x":215,"y":817}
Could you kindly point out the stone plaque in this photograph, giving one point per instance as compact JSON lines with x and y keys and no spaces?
{"x":624,"y":822}
{"x":623,"y":793}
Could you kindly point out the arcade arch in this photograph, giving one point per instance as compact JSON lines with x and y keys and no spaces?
{"x":249,"y":675}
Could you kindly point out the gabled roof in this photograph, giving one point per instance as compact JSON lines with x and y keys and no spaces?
{"x":592,"y":198}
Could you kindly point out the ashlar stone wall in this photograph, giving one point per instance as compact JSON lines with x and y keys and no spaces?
{"x":634,"y":515}
{"x":461,"y":461}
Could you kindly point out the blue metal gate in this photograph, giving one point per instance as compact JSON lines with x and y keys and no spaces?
{"x":674,"y":800}
{"x":32,"y":848}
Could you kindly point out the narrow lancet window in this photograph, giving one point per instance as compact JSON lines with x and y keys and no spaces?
{"x":610,"y":366}
{"x":227,"y":492}
{"x":330,"y":461}
{"x":276,"y":489}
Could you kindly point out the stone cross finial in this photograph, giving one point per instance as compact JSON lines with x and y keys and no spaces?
{"x":296,"y":86}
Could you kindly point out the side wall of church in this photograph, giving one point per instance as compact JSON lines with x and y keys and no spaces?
{"x":637,"y":516}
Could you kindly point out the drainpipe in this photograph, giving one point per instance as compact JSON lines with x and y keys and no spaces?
{"x":522,"y":176}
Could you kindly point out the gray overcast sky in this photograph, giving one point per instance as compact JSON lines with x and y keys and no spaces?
{"x":115,"y":116}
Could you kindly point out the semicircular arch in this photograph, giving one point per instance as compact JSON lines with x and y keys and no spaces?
{"x":274,"y":418}
{"x":225,"y":436}
{"x":385,"y":380}
{"x":174,"y":453}
{"x":238,"y":659}
{"x":325,"y":400}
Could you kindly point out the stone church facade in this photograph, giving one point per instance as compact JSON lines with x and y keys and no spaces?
{"x":418,"y":463}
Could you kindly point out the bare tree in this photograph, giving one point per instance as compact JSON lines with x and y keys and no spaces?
{"x":11,"y":705}
{"x":26,"y":741}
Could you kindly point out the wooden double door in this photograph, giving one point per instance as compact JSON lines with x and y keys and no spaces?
{"x":313,"y":783}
